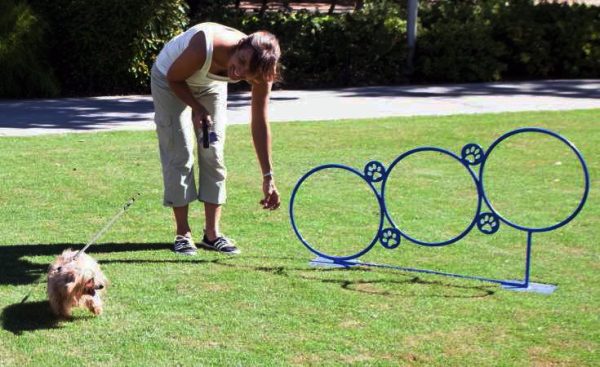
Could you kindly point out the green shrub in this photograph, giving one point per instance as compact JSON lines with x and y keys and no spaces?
{"x":23,"y":70}
{"x":320,"y":50}
{"x":456,"y":43}
{"x":481,"y":40}
{"x":213,"y":11}
{"x":108,"y":46}
{"x":550,"y":39}
{"x":308,"y":56}
{"x":377,"y":37}
{"x":94,"y":47}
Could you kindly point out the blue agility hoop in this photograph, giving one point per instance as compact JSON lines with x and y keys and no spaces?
{"x":566,"y":142}
{"x":313,"y":248}
{"x":487,"y":222}
{"x":462,"y":162}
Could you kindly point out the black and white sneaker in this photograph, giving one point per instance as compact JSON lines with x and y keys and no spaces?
{"x":184,"y":245}
{"x":220,"y":244}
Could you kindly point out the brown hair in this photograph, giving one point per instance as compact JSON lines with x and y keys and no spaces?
{"x":265,"y":55}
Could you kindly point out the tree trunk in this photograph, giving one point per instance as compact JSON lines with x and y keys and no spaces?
{"x":332,"y":7}
{"x":263,"y":8}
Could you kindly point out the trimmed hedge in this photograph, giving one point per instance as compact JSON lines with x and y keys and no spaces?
{"x":361,"y":48}
{"x":24,"y":72}
{"x":97,"y":47}
{"x":107,"y":46}
{"x":483,"y":40}
{"x":549,"y":40}
{"x":458,"y":41}
{"x":456,"y":44}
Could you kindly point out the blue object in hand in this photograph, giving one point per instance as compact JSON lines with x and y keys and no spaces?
{"x":205,"y":142}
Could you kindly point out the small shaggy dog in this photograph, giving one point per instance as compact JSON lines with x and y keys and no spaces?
{"x":75,"y":281}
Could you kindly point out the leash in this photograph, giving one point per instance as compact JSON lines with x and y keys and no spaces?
{"x":108,"y":225}
{"x":94,"y":239}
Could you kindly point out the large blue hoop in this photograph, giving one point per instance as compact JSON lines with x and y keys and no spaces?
{"x":562,"y":139}
{"x":311,"y":247}
{"x":452,"y":155}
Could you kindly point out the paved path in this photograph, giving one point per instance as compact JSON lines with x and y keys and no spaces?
{"x":35,"y":117}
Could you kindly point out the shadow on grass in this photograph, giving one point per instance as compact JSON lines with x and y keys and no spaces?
{"x":30,"y":316}
{"x":372,"y":287}
{"x":17,"y":270}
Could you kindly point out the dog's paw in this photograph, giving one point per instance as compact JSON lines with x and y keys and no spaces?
{"x":94,"y":304}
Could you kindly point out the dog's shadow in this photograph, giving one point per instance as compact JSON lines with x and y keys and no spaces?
{"x":16,"y":269}
{"x":28,"y":316}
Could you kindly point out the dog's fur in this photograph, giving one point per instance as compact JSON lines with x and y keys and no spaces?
{"x":75,"y":282}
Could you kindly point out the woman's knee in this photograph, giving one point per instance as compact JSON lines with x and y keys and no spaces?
{"x":212,"y":163}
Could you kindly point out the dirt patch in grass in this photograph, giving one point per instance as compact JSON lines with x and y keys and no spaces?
{"x":351,"y":324}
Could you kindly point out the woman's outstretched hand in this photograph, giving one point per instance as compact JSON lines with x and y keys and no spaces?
{"x":271,"y":199}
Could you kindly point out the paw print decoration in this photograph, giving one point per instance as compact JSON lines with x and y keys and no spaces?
{"x":488,"y":223}
{"x":472,"y":154}
{"x":390,"y":238}
{"x":374,"y":171}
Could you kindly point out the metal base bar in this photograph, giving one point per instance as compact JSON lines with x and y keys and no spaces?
{"x":328,"y":263}
{"x":513,"y":285}
{"x":532,"y":288}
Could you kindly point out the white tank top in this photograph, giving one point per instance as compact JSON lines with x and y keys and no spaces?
{"x":178,"y":44}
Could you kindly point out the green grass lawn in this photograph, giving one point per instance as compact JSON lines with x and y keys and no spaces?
{"x":268,"y":306}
